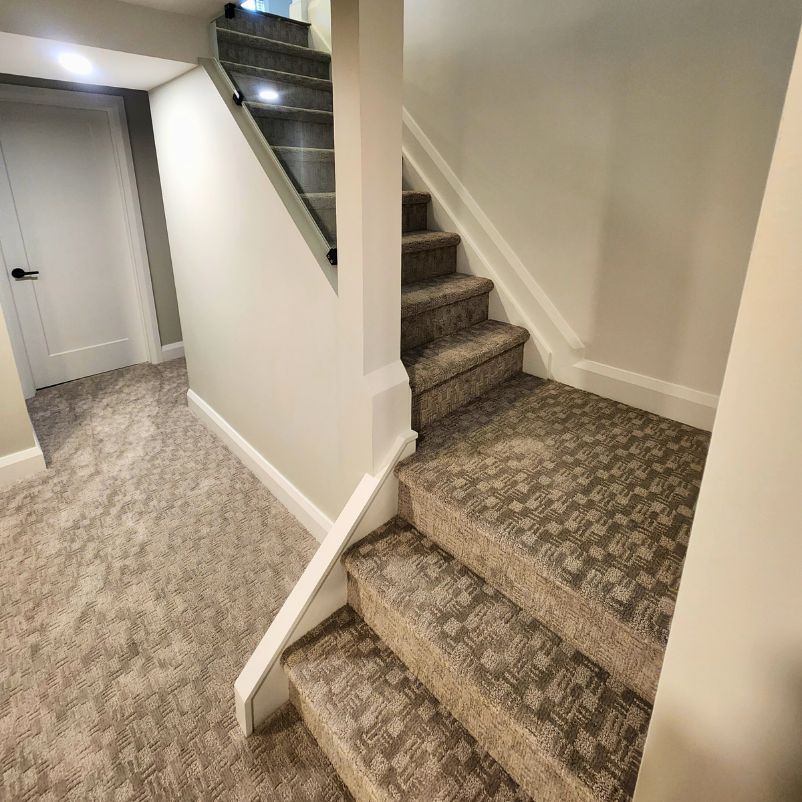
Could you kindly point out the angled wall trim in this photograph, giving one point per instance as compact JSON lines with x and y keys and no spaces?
{"x":557,"y":351}
{"x":284,"y":187}
{"x":415,"y":136}
{"x":302,"y":507}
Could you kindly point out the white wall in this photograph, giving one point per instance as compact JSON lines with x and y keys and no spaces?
{"x":259,"y":316}
{"x":727,"y":723}
{"x":620,"y":150}
{"x":111,"y":25}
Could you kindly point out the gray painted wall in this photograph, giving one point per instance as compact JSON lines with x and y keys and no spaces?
{"x":140,"y":131}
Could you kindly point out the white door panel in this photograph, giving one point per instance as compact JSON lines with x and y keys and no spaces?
{"x":63,"y":214}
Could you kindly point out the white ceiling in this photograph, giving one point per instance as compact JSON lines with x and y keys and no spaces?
{"x":196,"y":8}
{"x":38,"y":58}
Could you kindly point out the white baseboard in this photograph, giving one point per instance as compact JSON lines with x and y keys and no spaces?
{"x":673,"y":401}
{"x":302,"y":507}
{"x":21,"y":464}
{"x":172,"y":351}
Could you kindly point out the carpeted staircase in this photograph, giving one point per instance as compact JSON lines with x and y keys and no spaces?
{"x":505,"y":632}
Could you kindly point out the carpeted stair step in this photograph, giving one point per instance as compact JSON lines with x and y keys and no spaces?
{"x":323,"y":206}
{"x":301,"y":128}
{"x":425,"y":254}
{"x":256,"y":51}
{"x":414,"y":207}
{"x":311,"y":169}
{"x":556,"y":721}
{"x":576,"y":507}
{"x":297,"y":91}
{"x":449,"y":372}
{"x":442,"y":305}
{"x":268,"y":26}
{"x":384,"y":732}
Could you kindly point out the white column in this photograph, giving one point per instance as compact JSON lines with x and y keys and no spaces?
{"x":727,"y":722}
{"x":367,"y":55}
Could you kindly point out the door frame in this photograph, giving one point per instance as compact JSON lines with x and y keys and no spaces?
{"x":114,"y":107}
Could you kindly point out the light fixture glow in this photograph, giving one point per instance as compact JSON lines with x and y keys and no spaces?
{"x":75,"y":62}
{"x":269,"y":95}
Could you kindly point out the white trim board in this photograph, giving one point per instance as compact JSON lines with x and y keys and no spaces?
{"x":302,"y":507}
{"x":114,"y":107}
{"x":172,"y":351}
{"x":21,"y":464}
{"x":557,"y":350}
{"x":675,"y":401}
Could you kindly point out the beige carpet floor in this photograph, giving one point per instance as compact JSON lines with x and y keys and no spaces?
{"x":136,"y":576}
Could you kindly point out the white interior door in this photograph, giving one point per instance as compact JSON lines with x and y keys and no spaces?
{"x":63,"y":214}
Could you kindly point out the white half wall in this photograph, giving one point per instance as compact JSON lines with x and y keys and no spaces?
{"x":607,"y":162}
{"x":727,"y":721}
{"x":259,"y":315}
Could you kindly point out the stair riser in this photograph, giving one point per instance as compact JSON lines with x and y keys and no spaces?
{"x":358,"y":784}
{"x":309,"y":173}
{"x":420,"y":265}
{"x":326,"y":218}
{"x":601,"y":638}
{"x":435,"y":323}
{"x":503,"y":737}
{"x":268,"y":27}
{"x":301,"y":97}
{"x":272,"y":60}
{"x":413,"y":217}
{"x":434,"y":404}
{"x":296,"y":133}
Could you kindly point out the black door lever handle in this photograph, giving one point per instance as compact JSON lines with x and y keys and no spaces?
{"x":19,"y":273}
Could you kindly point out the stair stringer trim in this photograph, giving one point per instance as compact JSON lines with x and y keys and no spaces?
{"x":518,"y":298}
{"x":555,"y":350}
{"x":262,"y":687}
{"x":310,"y":231}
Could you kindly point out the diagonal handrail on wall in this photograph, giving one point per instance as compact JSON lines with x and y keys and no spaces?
{"x":273,"y":169}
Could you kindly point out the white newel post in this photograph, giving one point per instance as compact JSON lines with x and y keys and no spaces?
{"x":367,"y":66}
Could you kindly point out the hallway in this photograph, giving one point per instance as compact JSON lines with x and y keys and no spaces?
{"x":136,"y":576}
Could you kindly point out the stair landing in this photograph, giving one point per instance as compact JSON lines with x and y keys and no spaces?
{"x":578,"y":508}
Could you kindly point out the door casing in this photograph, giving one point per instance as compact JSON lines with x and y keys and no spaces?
{"x":114,"y":107}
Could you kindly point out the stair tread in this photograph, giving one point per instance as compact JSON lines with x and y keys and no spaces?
{"x":389,"y":734}
{"x":321,"y":200}
{"x":327,"y":199}
{"x":264,"y":43}
{"x":575,"y":499}
{"x":440,"y":291}
{"x":320,"y":84}
{"x":278,"y":17}
{"x":412,"y":196}
{"x":290,"y":112}
{"x":440,"y":360}
{"x":548,"y":700}
{"x":295,"y":150}
{"x":427,"y":240}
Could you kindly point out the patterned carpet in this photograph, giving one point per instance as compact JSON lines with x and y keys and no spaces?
{"x":136,"y":576}
{"x":576,"y":507}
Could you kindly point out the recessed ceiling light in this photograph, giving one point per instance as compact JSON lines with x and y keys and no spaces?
{"x":75,"y":62}
{"x":269,"y":95}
